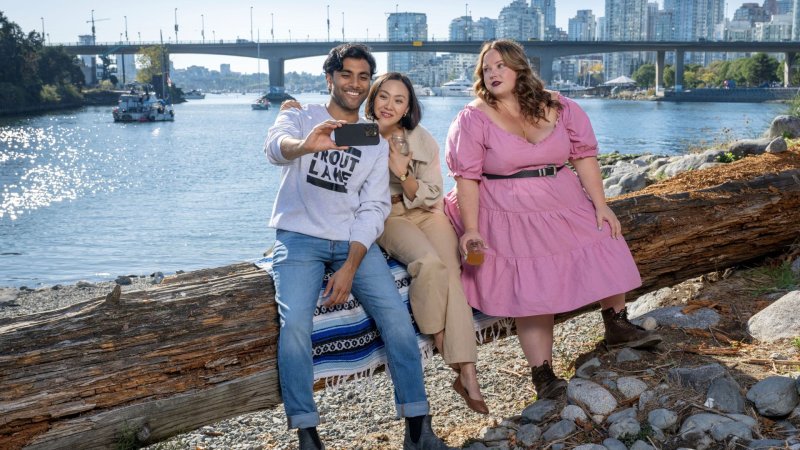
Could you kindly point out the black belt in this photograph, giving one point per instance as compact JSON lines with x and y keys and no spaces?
{"x":549,"y":171}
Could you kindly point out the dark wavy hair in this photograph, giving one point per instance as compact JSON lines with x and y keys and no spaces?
{"x":337,"y":55}
{"x":529,"y":89}
{"x":412,"y":118}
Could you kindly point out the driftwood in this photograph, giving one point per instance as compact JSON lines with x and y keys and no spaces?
{"x":201,"y":347}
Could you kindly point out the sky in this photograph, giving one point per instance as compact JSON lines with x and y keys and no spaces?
{"x":231,"y":19}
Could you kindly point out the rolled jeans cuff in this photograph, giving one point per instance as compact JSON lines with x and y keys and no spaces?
{"x":306,"y":420}
{"x":412,"y":409}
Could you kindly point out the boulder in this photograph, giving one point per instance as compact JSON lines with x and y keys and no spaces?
{"x":784,"y":126}
{"x":778,"y":320}
{"x":774,"y":396}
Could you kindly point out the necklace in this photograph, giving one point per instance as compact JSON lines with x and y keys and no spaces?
{"x":521,"y":122}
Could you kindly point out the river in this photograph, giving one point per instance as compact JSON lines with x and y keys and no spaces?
{"x":83,"y":198}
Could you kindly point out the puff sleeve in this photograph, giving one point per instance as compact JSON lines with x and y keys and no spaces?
{"x":466,"y":149}
{"x":579,"y":128}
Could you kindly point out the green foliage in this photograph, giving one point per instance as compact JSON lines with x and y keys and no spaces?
{"x":796,"y":342}
{"x":49,"y":94}
{"x":727,"y":157}
{"x":794,"y":106}
{"x":645,"y":75}
{"x":669,"y":76}
{"x":644,"y":432}
{"x":12,"y":95}
{"x":150,"y":62}
{"x":774,"y":278}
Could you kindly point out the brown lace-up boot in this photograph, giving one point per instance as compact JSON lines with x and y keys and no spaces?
{"x":546,"y":383}
{"x":621,"y":333}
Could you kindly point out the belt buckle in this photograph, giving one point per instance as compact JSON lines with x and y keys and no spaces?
{"x":555,"y":172}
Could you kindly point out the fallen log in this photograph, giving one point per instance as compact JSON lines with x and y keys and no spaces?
{"x":201,"y":346}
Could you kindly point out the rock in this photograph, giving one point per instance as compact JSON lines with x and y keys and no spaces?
{"x":528,"y":434}
{"x":646,"y":398}
{"x":702,"y":318}
{"x":642,"y":445}
{"x":614,"y":444}
{"x":590,"y":447}
{"x":726,"y":396}
{"x":698,"y":378}
{"x":631,"y":387}
{"x":702,"y":422}
{"x":778,"y":145}
{"x":84,"y":284}
{"x":627,"y":354}
{"x":539,"y":411}
{"x":596,"y":398}
{"x":778,"y":320}
{"x":475,"y":446}
{"x":574,"y":413}
{"x":662,"y":419}
{"x":625,"y":427}
{"x":496,"y":434}
{"x":587,"y":369}
{"x":649,"y":324}
{"x":8,"y":295}
{"x":796,"y":266}
{"x":685,"y":163}
{"x":784,"y":126}
{"x":722,"y":431}
{"x":628,"y":413}
{"x":123,"y":280}
{"x":774,"y":396}
{"x":765,"y":444}
{"x":158,"y":277}
{"x":559,"y":430}
{"x":749,"y":147}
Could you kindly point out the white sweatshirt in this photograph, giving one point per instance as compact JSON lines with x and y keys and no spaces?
{"x":339,"y":195}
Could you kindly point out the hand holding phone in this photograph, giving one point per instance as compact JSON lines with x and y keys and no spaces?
{"x":355,"y":134}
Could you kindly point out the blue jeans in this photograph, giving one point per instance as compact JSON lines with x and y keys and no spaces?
{"x":299,"y":263}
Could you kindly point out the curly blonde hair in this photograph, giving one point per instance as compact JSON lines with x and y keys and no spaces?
{"x":529,"y":90}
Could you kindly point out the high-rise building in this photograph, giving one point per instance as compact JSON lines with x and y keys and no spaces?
{"x":796,"y":21}
{"x":462,"y":29}
{"x":751,"y":12}
{"x":126,"y":68}
{"x":626,"y":20}
{"x":484,"y":29}
{"x":776,"y":30}
{"x":406,"y":26}
{"x":694,"y":20}
{"x":783,"y":6}
{"x":224,"y":69}
{"x":520,"y":22}
{"x":548,"y":9}
{"x":582,"y":27}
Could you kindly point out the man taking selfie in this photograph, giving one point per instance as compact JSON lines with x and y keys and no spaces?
{"x":330,"y":209}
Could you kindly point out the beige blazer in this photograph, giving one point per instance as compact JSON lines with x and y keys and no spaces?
{"x":426,"y":168}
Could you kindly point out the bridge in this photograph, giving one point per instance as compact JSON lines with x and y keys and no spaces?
{"x":542,"y":53}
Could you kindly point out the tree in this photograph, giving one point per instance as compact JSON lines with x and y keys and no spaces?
{"x":669,"y":76}
{"x":19,"y":54}
{"x":150,"y":61}
{"x":645,"y":75}
{"x":58,"y":67}
{"x":761,"y":69}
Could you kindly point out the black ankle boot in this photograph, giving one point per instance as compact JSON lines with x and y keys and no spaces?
{"x":621,"y":333}
{"x":309,"y":439}
{"x":427,"y":439}
{"x":547,"y":384}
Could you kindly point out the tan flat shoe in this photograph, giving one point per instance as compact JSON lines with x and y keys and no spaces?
{"x":479,"y":406}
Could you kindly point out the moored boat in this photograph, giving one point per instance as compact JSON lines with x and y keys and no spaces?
{"x":460,"y":87}
{"x":142,"y":107}
{"x":194,"y":94}
{"x":261,"y":104}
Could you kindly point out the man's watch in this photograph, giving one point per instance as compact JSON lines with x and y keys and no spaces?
{"x":403,"y":177}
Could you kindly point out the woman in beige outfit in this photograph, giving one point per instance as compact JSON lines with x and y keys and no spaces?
{"x":419,"y":235}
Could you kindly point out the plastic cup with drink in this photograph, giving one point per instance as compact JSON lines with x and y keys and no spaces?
{"x":474,"y":252}
{"x":400,"y":143}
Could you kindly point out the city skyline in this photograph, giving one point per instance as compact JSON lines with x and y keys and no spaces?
{"x":237,"y":19}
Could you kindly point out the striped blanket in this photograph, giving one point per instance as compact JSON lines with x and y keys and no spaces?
{"x":346,"y":343}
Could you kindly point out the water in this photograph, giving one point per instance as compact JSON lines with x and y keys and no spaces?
{"x":84,"y":198}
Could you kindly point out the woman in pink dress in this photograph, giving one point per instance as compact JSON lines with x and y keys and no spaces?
{"x":550,"y":242}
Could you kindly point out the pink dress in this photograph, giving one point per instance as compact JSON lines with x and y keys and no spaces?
{"x":545,"y":254}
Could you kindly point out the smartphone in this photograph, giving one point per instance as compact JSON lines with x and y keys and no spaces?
{"x":353,"y":134}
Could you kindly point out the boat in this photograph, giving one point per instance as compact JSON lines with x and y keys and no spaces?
{"x":194,"y":94}
{"x":261,"y":104}
{"x":460,"y":87}
{"x":142,"y":107}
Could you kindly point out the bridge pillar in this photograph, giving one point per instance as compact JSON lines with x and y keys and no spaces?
{"x":787,"y":69}
{"x":659,"y":72}
{"x":276,"y":75}
{"x":679,"y":70}
{"x":545,"y":69}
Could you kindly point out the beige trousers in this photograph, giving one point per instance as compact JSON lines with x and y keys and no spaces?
{"x":425,"y":242}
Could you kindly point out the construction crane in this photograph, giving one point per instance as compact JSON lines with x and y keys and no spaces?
{"x":92,"y":21}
